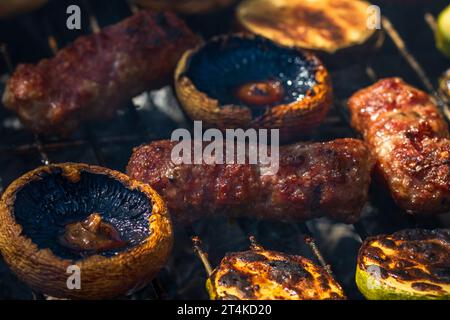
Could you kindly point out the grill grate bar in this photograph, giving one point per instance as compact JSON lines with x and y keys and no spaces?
{"x":60,"y":144}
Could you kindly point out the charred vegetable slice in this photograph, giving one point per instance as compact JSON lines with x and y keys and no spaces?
{"x":409,"y":264}
{"x":323,"y":25}
{"x":268,"y":275}
{"x":443,"y":32}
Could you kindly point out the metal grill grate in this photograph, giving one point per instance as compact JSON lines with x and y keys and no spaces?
{"x":110,"y":145}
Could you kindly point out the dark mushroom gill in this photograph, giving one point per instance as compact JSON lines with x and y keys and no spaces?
{"x":45,"y":206}
{"x":223,"y":65}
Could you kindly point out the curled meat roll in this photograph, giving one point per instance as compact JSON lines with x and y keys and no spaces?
{"x":410,"y":141}
{"x":313,"y":180}
{"x":99,"y":73}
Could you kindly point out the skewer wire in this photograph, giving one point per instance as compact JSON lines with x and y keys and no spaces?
{"x":197,"y":245}
{"x":133,"y":7}
{"x":414,"y":64}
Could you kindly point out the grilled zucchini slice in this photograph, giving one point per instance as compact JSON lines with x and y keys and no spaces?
{"x":409,"y":264}
{"x":443,"y":32}
{"x":260,"y":274}
{"x":325,"y":26}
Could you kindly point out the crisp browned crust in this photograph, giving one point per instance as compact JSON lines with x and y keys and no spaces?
{"x":270,"y":275}
{"x":324,"y":25}
{"x":102,"y":277}
{"x":99,"y":73}
{"x":185,"y":6}
{"x":319,"y":179}
{"x":291,"y":119}
{"x":14,"y":7}
{"x":410,"y":140}
{"x":415,"y":261}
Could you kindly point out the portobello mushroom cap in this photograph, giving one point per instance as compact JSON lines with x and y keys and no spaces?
{"x":325,"y":26}
{"x":186,"y":7}
{"x":115,"y":229}
{"x":14,"y":7}
{"x":246,"y":81}
{"x":409,"y":264}
{"x":269,"y":275}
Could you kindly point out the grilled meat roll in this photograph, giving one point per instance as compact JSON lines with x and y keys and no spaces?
{"x":97,"y":74}
{"x":409,"y":264}
{"x":14,"y":7}
{"x":313,"y":180}
{"x":268,"y":275}
{"x":410,"y":141}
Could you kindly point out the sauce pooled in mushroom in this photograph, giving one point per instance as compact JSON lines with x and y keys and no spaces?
{"x":91,"y":234}
{"x":260,"y":93}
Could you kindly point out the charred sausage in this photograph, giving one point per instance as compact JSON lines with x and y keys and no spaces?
{"x":409,"y":139}
{"x":313,"y":180}
{"x":97,"y":74}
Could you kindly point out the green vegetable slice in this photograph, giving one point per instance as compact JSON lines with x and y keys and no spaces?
{"x":443,"y":32}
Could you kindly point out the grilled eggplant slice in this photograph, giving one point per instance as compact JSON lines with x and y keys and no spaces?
{"x":409,"y":264}
{"x":322,"y":25}
{"x":246,"y":81}
{"x":260,"y":274}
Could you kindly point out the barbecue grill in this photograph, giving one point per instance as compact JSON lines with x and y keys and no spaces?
{"x":408,"y":52}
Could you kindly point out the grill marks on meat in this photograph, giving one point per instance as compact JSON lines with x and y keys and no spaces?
{"x":410,"y":140}
{"x":321,"y":179}
{"x":97,"y":74}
